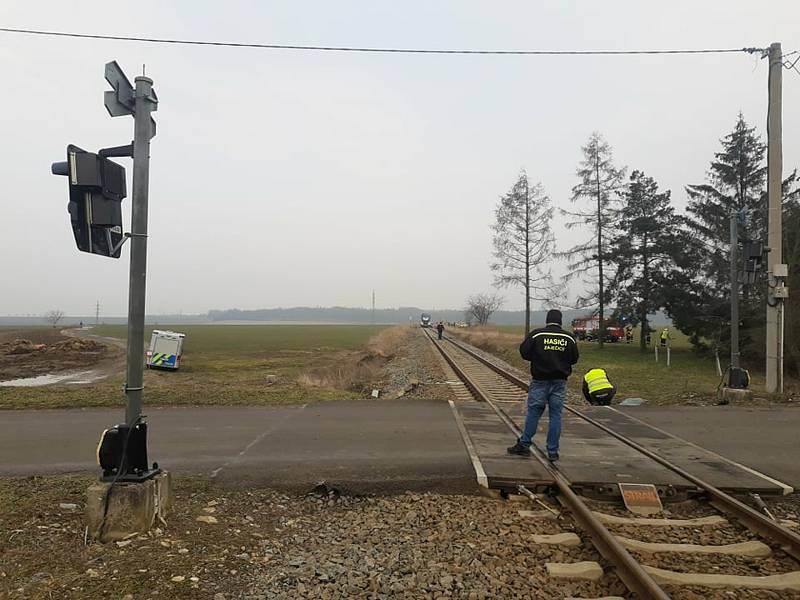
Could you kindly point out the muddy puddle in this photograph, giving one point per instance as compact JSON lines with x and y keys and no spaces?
{"x":73,"y":378}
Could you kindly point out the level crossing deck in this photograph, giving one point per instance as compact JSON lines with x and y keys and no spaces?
{"x":593,"y":460}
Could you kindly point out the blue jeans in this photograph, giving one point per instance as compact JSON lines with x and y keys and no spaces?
{"x":543,"y":394}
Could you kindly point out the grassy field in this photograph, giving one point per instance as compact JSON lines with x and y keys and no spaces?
{"x":256,"y":339}
{"x":230,"y":365}
{"x":690,"y":378}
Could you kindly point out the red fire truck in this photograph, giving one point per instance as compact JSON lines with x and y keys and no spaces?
{"x":588,"y":329}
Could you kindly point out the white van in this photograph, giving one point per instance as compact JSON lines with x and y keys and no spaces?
{"x":165,"y":349}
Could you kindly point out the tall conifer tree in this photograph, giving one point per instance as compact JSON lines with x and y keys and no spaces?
{"x":599,"y":180}
{"x":699,"y":298}
{"x":642,"y":254}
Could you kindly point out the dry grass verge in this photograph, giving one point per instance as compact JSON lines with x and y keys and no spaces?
{"x":489,"y":339}
{"x":359,"y":371}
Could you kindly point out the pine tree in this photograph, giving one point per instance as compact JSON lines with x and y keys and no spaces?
{"x":599,"y":181}
{"x":735,"y":182}
{"x":642,"y":255}
{"x":523,"y":242}
{"x":700,"y":298}
{"x":791,"y":257}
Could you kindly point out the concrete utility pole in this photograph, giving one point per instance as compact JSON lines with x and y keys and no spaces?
{"x":775,"y":269}
{"x":143,"y":130}
{"x":734,"y":288}
{"x":97,"y":313}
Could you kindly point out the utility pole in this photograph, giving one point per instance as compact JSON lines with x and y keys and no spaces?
{"x":602,"y":331}
{"x":776,"y":270}
{"x":734,"y":254}
{"x":143,"y":130}
{"x":97,"y":313}
{"x":373,"y":307}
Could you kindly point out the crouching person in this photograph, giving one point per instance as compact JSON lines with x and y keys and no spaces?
{"x":597,"y":388}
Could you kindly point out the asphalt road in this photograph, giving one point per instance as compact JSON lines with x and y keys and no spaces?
{"x":361,"y":446}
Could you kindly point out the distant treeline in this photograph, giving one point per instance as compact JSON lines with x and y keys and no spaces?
{"x":74,"y":320}
{"x":334,"y":314}
{"x":404,"y":314}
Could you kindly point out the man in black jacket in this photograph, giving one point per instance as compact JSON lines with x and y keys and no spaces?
{"x":552,"y":352}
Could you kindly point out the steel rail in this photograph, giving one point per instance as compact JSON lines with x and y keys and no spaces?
{"x":628,"y":569}
{"x":788,"y":540}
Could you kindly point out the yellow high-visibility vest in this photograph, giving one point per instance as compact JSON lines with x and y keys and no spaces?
{"x":597,"y":380}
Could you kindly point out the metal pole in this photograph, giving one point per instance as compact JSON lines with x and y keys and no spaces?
{"x":142,"y":129}
{"x":734,"y":289}
{"x":775,"y":234}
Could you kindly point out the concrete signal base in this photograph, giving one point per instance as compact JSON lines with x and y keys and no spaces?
{"x":133,"y":508}
{"x":732,"y":395}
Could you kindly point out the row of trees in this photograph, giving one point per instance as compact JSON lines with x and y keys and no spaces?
{"x":642,"y":255}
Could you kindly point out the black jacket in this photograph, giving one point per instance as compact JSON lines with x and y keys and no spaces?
{"x":552,"y":352}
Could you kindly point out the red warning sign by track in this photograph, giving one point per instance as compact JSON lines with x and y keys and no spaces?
{"x":640,"y":498}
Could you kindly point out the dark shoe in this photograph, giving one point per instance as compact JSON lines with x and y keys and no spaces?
{"x":552,"y":456}
{"x":519,"y":450}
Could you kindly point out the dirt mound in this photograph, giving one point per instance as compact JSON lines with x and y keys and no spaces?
{"x":20,"y":347}
{"x":75,"y":345}
{"x":23,"y":358}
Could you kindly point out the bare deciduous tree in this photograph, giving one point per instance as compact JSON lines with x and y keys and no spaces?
{"x":599,"y":179}
{"x":54,"y":316}
{"x":481,"y":306}
{"x":524,"y":243}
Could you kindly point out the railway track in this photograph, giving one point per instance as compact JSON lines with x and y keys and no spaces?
{"x":494,"y":384}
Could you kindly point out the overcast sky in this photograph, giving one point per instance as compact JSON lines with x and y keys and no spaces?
{"x":283,"y":178}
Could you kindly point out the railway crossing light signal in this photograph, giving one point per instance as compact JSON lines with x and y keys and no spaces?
{"x":96,"y":189}
{"x":753,"y":257}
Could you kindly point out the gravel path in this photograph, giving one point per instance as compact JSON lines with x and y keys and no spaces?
{"x":416,"y":370}
{"x":419,"y":546}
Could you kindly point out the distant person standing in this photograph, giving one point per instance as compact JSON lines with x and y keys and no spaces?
{"x":665,"y":337}
{"x":440,"y":329}
{"x":551,"y":352}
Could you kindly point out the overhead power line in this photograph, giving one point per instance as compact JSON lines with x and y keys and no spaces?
{"x":150,"y":40}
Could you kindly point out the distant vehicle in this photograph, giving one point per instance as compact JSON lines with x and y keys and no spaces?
{"x":165,"y":349}
{"x":588,"y":329}
{"x":425,"y":320}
